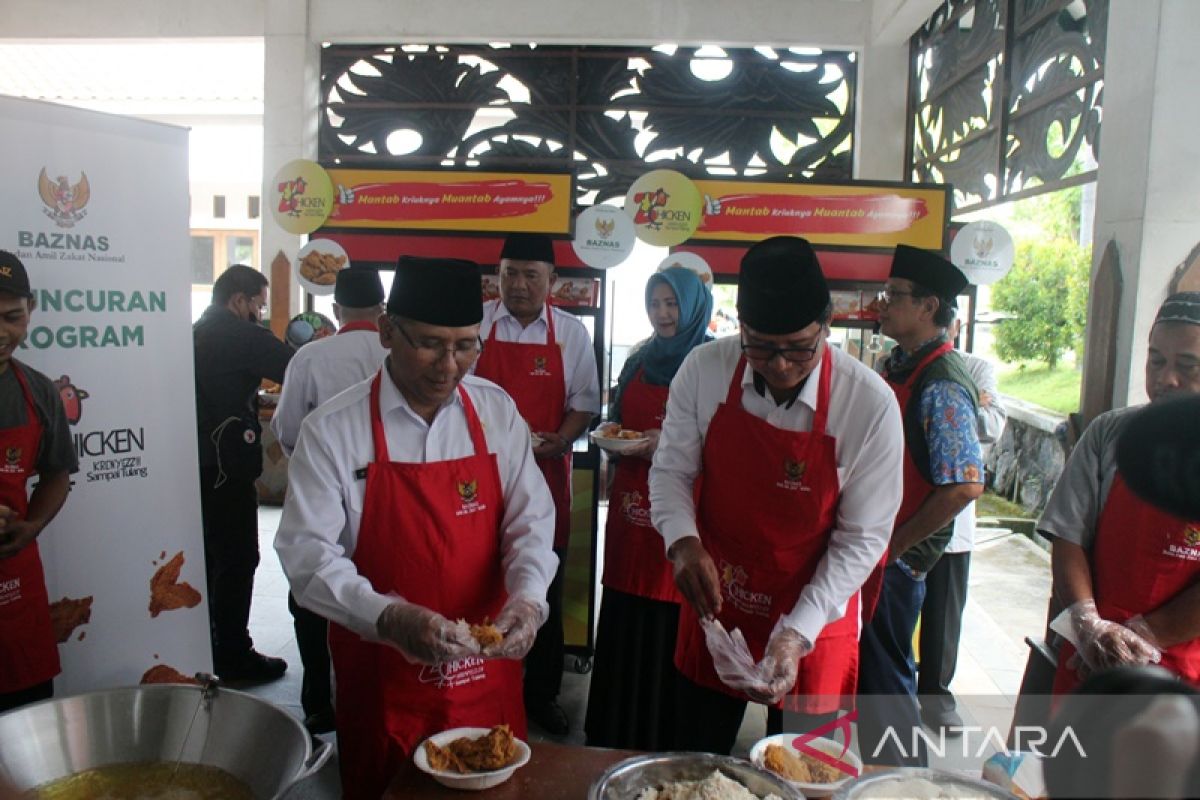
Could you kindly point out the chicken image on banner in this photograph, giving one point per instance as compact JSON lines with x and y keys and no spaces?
{"x":167,"y":593}
{"x":68,"y":614}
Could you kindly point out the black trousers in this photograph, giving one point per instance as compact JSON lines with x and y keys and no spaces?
{"x":941,"y":627}
{"x":230,"y":515}
{"x":312,"y":639}
{"x":708,"y":721}
{"x":23,"y":697}
{"x":544,"y":663}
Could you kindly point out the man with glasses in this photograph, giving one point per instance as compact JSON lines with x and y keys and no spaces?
{"x":414,"y":512}
{"x":234,"y":353}
{"x":943,"y":473}
{"x":797,"y":447}
{"x":544,"y":359}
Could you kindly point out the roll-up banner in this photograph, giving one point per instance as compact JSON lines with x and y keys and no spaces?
{"x":96,"y":206}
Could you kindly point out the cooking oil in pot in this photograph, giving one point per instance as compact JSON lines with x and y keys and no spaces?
{"x":146,"y":781}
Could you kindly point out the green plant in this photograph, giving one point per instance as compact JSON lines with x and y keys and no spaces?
{"x":1046,"y":296}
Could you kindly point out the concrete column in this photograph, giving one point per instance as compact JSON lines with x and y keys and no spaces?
{"x":1149,"y":165}
{"x":881,"y":112}
{"x":291,"y":89}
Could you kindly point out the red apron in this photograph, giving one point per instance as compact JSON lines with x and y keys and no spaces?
{"x":635,"y":560}
{"x":28,"y":649}
{"x":429,"y":533}
{"x":533,"y":375}
{"x":766,"y":519}
{"x":916,"y":488}
{"x":1142,"y":559}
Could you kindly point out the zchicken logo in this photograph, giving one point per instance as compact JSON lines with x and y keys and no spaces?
{"x":650,"y":206}
{"x":72,"y":398}
{"x":290,"y":193}
{"x":64,"y":201}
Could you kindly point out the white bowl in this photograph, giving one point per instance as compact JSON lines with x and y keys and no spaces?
{"x":828,"y":746}
{"x":615,"y":445}
{"x":472,"y":781}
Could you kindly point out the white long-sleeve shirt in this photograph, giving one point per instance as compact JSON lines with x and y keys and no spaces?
{"x":317,"y":372}
{"x":319,"y":530}
{"x":579,"y":359}
{"x":991,"y":421}
{"x":864,"y":418}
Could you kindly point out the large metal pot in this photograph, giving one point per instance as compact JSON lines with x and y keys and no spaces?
{"x":261,"y":745}
{"x":629,"y":777}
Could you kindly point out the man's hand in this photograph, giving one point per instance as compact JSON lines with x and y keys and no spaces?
{"x":1104,"y":643}
{"x":696,"y":576}
{"x":985,"y":399}
{"x":423,"y":635}
{"x":780,"y":664}
{"x":16,"y":535}
{"x":518,"y":621}
{"x":552,"y":446}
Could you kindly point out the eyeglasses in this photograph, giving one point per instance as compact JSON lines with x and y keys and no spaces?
{"x":462,"y":352}
{"x":886,"y":295}
{"x":793,"y":355}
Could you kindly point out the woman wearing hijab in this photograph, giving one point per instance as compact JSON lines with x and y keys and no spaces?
{"x":630,"y":704}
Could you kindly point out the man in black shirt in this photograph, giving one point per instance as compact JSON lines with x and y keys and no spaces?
{"x":234,"y":352}
{"x":34,"y":440}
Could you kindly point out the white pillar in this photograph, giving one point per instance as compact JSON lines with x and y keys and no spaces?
{"x":291,"y":93}
{"x":1146,"y":196}
{"x":881,"y":112}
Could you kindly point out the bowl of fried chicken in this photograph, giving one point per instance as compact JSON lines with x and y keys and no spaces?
{"x":472,"y":758}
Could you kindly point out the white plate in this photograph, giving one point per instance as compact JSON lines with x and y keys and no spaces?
{"x":321,"y":246}
{"x":824,"y":745}
{"x":615,"y":445}
{"x":472,"y":781}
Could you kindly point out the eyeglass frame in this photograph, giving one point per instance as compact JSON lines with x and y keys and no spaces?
{"x":441,"y":350}
{"x":781,"y":351}
{"x":885,"y":295}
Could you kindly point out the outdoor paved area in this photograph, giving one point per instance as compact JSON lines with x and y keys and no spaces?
{"x":1009,"y":589}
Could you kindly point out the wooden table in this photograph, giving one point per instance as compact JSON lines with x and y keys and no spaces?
{"x":554,"y":771}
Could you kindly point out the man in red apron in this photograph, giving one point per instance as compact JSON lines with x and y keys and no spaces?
{"x":35,"y":440}
{"x":318,"y":371}
{"x":545,"y":360}
{"x":1125,"y":569}
{"x":943,"y":473}
{"x":414,"y":510}
{"x":797,"y":446}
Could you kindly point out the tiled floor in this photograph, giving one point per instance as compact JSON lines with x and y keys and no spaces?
{"x":1009,"y":587}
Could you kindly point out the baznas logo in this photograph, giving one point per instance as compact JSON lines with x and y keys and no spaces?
{"x":605,"y":227}
{"x":12,"y":455}
{"x":650,"y":206}
{"x":982,"y":245}
{"x":794,"y":470}
{"x":72,"y":398}
{"x":64,"y":202}
{"x":539,"y":362}
{"x":1192,"y":536}
{"x":289,"y":196}
{"x":468,"y":491}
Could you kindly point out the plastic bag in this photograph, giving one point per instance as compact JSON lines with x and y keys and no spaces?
{"x":731,"y":657}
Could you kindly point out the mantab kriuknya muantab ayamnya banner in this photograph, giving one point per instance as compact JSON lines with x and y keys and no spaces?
{"x":96,"y":206}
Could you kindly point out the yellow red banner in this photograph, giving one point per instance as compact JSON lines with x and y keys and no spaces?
{"x":854,"y":215}
{"x":465,"y":200}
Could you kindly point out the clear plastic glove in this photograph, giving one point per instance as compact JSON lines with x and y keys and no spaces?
{"x":518,"y":622}
{"x":731,"y":658}
{"x":424,"y":636}
{"x":1104,"y":643}
{"x":781,"y":663}
{"x":696,"y":576}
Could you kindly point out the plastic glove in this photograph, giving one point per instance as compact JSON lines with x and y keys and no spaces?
{"x":731,"y":658}
{"x":781,"y":664}
{"x":518,"y":621}
{"x":424,"y":636}
{"x":1104,"y":643}
{"x":696,"y":576}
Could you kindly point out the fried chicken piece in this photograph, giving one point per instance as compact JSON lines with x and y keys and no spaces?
{"x":787,"y":763}
{"x":486,"y":634}
{"x":167,"y":592}
{"x":628,"y":434}
{"x":495,"y":750}
{"x":161,"y":673}
{"x":68,"y":614}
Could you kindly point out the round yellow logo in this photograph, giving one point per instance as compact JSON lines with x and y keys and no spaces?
{"x":666,"y":207}
{"x":301,"y":196}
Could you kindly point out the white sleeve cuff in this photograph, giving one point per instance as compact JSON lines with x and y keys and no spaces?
{"x":806,"y":620}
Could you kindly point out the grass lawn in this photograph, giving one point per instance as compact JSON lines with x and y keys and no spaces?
{"x":1057,"y":389}
{"x":993,"y":505}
